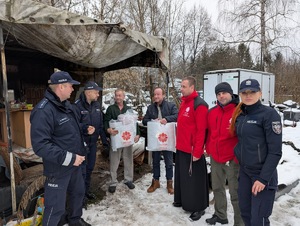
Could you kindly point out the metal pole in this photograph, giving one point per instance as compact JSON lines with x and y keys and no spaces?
{"x":5,"y":95}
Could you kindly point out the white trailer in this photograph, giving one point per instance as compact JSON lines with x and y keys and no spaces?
{"x":234,"y":77}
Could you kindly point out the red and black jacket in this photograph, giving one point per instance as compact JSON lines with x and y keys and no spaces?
{"x":220,"y":143}
{"x":192,"y":125}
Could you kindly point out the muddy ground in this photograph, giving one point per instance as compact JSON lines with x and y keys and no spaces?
{"x":101,"y":177}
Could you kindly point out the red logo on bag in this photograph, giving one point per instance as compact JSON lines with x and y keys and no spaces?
{"x":126,"y":135}
{"x":162,"y":137}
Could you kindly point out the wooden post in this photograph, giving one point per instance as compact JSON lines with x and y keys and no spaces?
{"x":5,"y":95}
{"x":98,"y":78}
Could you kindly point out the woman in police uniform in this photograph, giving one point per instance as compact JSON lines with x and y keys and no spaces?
{"x":258,"y":151}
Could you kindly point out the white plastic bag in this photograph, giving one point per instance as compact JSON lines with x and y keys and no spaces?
{"x":126,"y":126}
{"x":161,"y":137}
{"x":128,"y":118}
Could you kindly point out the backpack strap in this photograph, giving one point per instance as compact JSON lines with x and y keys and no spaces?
{"x":199,"y":101}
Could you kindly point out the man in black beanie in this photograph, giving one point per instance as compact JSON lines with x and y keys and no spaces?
{"x":223,"y":87}
{"x":219,"y":147}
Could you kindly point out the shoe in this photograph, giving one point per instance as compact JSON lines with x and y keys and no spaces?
{"x":197,"y":215}
{"x":177,"y":204}
{"x":170,"y":187}
{"x":215,"y":219}
{"x":154,"y":185}
{"x":112,"y":189}
{"x":130,"y":185}
{"x":90,"y":196}
{"x":81,"y":222}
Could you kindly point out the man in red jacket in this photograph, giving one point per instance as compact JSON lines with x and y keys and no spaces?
{"x":219,"y":145}
{"x":191,"y":182}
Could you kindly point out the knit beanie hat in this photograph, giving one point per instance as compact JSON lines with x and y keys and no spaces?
{"x":223,"y":87}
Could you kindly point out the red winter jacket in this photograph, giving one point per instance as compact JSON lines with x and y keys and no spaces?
{"x":220,"y":142}
{"x":191,"y":126}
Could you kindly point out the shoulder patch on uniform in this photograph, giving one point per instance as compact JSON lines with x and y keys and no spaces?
{"x":43,"y":103}
{"x":277,"y":128}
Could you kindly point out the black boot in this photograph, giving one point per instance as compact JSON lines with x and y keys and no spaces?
{"x":90,"y":196}
{"x":177,"y":204}
{"x":81,"y":222}
{"x":197,"y":215}
{"x":215,"y":219}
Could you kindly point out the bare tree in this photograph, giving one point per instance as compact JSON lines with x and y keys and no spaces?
{"x":111,"y":11}
{"x":173,"y":13}
{"x":137,"y":13}
{"x":264,"y":22}
{"x":195,"y":33}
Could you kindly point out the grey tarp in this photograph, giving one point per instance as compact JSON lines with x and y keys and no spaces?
{"x":78,"y":39}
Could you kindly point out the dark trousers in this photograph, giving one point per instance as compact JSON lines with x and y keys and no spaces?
{"x":168,"y":158}
{"x":255,"y":210}
{"x":191,"y":182}
{"x":56,"y":190}
{"x":91,"y":160}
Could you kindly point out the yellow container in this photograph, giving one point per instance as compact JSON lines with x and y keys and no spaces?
{"x":26,"y":222}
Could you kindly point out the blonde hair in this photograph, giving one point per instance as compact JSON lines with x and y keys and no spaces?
{"x":236,"y":113}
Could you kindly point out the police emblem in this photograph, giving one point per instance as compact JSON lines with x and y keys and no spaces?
{"x":276,"y":126}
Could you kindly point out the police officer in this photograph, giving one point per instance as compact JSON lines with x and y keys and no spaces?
{"x":56,"y":137}
{"x":258,"y":128}
{"x":91,"y":120}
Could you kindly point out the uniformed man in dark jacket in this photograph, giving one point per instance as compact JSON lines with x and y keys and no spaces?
{"x":57,"y":138}
{"x":91,"y":120}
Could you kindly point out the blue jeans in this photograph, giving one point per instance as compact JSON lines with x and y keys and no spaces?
{"x":168,"y":157}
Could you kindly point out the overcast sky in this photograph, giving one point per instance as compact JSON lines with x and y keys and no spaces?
{"x":292,"y":37}
{"x":210,"y":5}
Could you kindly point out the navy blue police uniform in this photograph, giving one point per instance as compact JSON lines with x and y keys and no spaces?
{"x":57,"y":138}
{"x":258,"y":151}
{"x":90,"y":115}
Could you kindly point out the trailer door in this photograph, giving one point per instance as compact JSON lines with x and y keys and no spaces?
{"x":233,"y":79}
{"x":265,"y":88}
{"x":209,"y":84}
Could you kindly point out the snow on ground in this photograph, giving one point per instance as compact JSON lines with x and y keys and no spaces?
{"x":138,"y":208}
